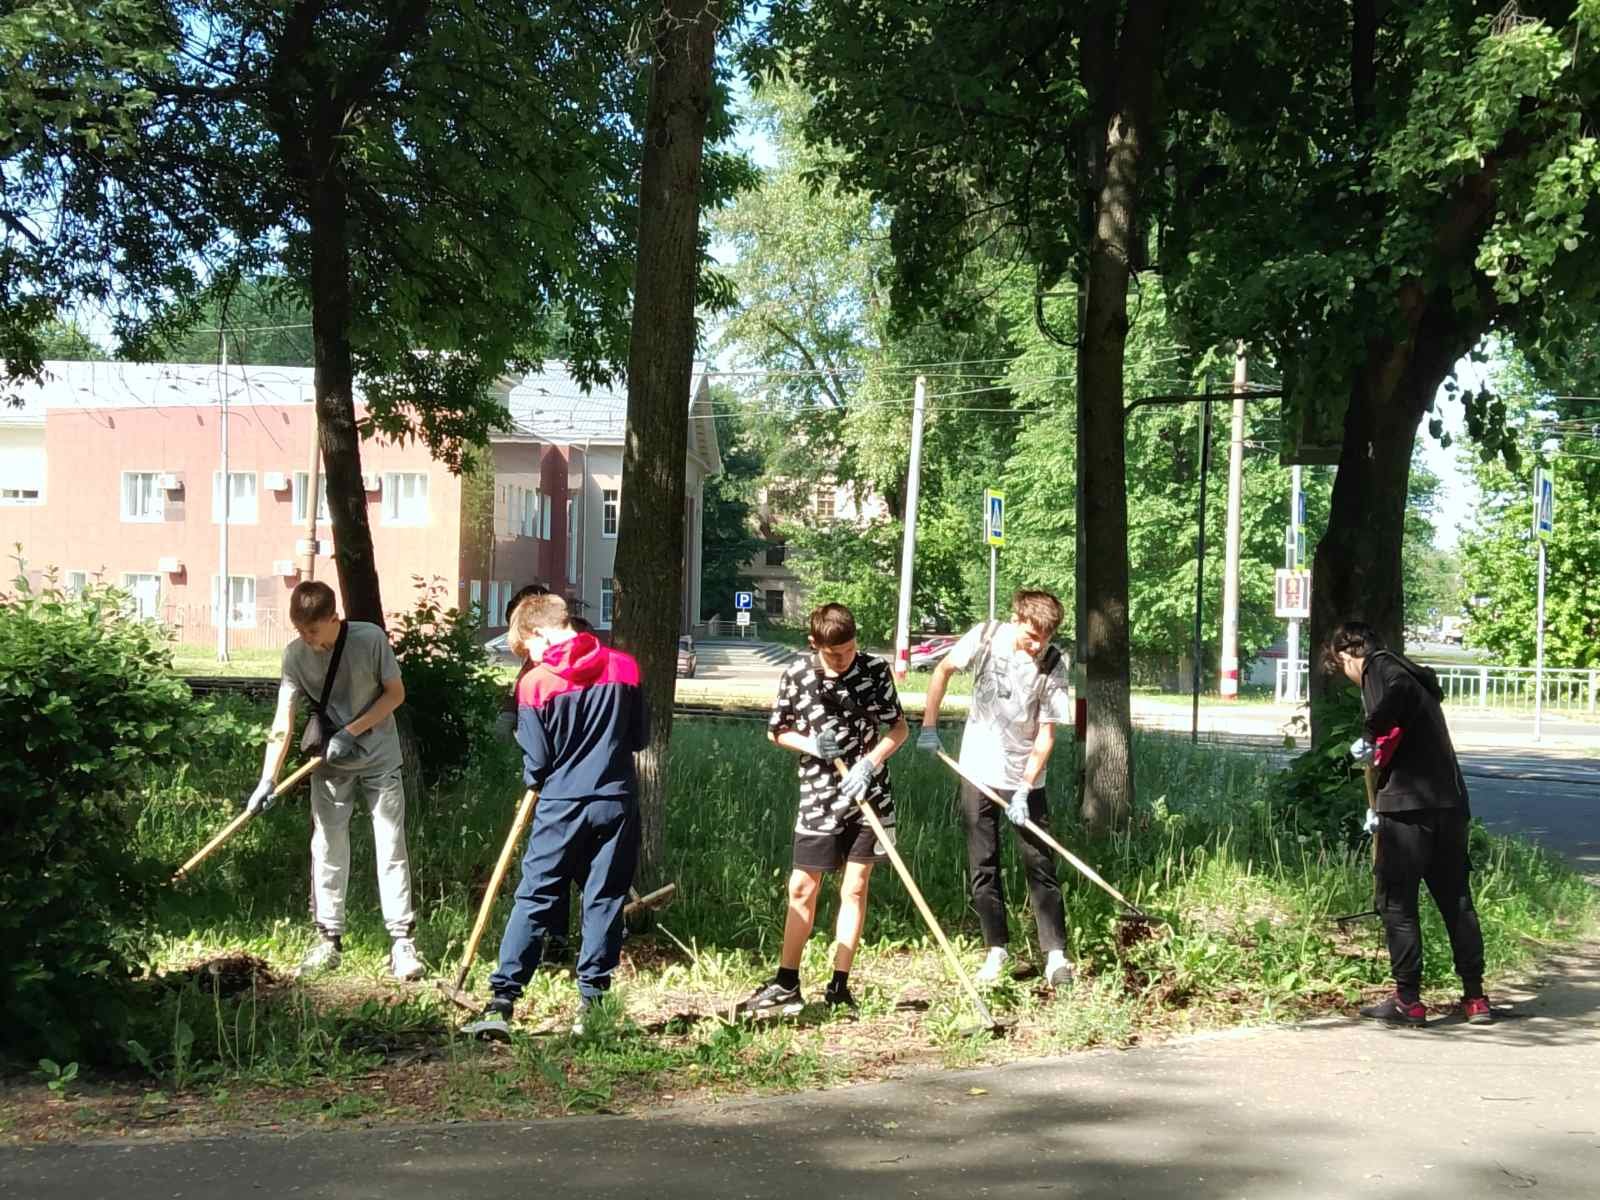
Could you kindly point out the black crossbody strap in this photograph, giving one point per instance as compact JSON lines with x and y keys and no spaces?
{"x":333,"y":669}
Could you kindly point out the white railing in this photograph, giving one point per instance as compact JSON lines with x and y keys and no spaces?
{"x":1566,"y":689}
{"x":719,"y":627}
{"x":1281,"y":678}
{"x":249,"y":629}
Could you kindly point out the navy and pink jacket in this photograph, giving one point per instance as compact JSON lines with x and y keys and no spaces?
{"x":580,"y":717}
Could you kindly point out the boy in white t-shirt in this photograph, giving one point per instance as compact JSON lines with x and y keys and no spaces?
{"x":1020,"y":693}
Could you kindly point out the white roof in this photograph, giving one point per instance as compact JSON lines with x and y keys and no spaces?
{"x":69,"y":385}
{"x":551,"y":404}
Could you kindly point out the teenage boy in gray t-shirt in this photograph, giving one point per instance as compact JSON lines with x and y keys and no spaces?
{"x":1020,"y":693}
{"x":361,"y":751}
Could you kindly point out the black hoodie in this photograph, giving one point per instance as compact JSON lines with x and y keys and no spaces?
{"x":1422,"y":772}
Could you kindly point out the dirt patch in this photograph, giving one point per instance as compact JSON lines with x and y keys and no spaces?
{"x":228,"y":975}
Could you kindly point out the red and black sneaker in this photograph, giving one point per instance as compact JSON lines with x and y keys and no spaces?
{"x":1477,"y":1011}
{"x":1393,"y":1010}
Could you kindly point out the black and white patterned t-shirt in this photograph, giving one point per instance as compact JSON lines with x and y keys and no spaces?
{"x":857,"y":704}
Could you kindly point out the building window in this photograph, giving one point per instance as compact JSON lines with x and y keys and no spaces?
{"x":608,"y":602}
{"x":405,"y":498}
{"x":824,"y":506}
{"x":547,"y":508}
{"x":491,"y":615}
{"x":241,"y":601}
{"x":774,"y":602}
{"x":302,"y":482}
{"x":475,"y":601}
{"x":144,"y":595}
{"x":77,"y":582}
{"x":19,"y":495}
{"x":776,"y":553}
{"x":142,"y":497}
{"x":501,"y":617}
{"x":572,"y":543}
{"x":241,"y":498}
{"x":527,"y":514}
{"x":609,"y":512}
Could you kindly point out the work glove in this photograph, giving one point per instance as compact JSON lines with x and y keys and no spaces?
{"x":1362,"y":751}
{"x":1371,"y":823}
{"x":853,"y":788}
{"x":1017,"y":810}
{"x":829,"y":747}
{"x":928,"y":739}
{"x":262,"y":798}
{"x":340,"y":746}
{"x":505,"y":727}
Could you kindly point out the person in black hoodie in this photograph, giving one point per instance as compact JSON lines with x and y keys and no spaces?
{"x":581,"y":716}
{"x":1422,"y":819}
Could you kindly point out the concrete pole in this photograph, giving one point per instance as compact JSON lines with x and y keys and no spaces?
{"x":1294,"y":561}
{"x":308,"y":560}
{"x":1229,"y":683}
{"x":902,"y":633}
{"x":994,"y":563}
{"x":1538,"y":658}
{"x":225,"y":585}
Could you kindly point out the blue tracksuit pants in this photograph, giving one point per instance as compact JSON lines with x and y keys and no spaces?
{"x":594,"y":841}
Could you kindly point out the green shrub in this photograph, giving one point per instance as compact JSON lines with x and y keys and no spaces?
{"x":90,"y":709}
{"x":1322,"y":791}
{"x":452,"y":692}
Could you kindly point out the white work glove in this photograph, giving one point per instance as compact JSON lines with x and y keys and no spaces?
{"x":505,"y":727}
{"x":928,"y":739}
{"x":1017,"y":810}
{"x":262,"y":798}
{"x":829,"y":747}
{"x":1371,"y":823}
{"x":340,"y":746}
{"x":853,"y":788}
{"x":1363,"y":751}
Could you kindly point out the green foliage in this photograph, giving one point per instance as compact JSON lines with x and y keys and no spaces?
{"x":1321,"y":792}
{"x":90,"y":711}
{"x":453,"y":693}
{"x":728,"y":534}
{"x":267,"y":320}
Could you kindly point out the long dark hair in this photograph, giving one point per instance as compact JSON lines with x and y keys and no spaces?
{"x":1353,"y":637}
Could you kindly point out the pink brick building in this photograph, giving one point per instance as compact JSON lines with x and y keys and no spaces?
{"x":113,"y":471}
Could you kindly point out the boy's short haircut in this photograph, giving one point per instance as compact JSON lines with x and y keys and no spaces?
{"x":533,"y":616}
{"x":310,"y":602}
{"x":832,"y":625}
{"x":1355,"y":638}
{"x":1039,"y":609}
{"x":533,"y":589}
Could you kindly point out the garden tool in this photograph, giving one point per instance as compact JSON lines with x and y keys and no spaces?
{"x":1134,"y":913}
{"x":243,"y":819}
{"x":985,"y":1018}
{"x":457,"y":992}
{"x":1371,"y":774}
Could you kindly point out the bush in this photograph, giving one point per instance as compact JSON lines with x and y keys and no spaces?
{"x":452,"y":692}
{"x":1322,"y":791}
{"x":89,"y":710}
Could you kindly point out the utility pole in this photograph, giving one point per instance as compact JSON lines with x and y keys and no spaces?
{"x":308,"y":560}
{"x":902,"y":634}
{"x":1296,"y":501}
{"x":1230,"y":580}
{"x":225,"y":584}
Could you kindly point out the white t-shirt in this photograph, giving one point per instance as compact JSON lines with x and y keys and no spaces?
{"x":1011,"y":698}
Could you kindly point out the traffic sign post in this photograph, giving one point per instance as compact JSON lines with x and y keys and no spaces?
{"x":1544,"y":524}
{"x":1293,"y":595}
{"x":994,"y":534}
{"x":744,"y":601}
{"x":743,"y":619}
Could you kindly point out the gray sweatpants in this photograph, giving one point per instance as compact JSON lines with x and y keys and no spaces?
{"x":332,"y":802}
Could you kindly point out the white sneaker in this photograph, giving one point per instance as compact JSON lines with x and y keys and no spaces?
{"x":1058,"y":970}
{"x":324,"y":956}
{"x":994,"y":965}
{"x":403,"y":960}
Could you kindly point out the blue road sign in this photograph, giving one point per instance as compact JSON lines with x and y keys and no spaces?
{"x":743,"y":601}
{"x":994,"y":517}
{"x":1544,"y":500}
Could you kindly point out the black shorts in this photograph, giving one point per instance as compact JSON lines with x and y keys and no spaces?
{"x":855,"y":842}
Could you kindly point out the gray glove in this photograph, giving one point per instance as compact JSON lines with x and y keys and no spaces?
{"x":1363,"y":751}
{"x":928,"y":739}
{"x":1017,"y":810}
{"x":341,"y":746}
{"x":262,"y":799}
{"x":829,"y":747}
{"x":1371,"y":823}
{"x":853,"y":788}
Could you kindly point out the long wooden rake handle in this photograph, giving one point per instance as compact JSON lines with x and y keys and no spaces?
{"x":492,"y":893}
{"x":910,"y":885}
{"x":239,"y":822}
{"x":1032,"y":827}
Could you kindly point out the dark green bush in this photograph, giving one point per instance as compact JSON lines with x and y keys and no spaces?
{"x":90,"y":709}
{"x":452,"y":691}
{"x":1322,"y":791}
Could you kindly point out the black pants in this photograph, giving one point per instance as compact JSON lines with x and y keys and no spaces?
{"x":1428,"y":846}
{"x":982,"y":819}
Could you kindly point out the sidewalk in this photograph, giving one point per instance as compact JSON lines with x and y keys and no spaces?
{"x":1331,"y":1110}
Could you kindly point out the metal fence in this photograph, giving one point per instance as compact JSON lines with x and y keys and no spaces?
{"x":248,"y":628}
{"x":1571,"y":690}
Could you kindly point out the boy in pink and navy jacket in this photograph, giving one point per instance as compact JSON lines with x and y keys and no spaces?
{"x":581,"y":717}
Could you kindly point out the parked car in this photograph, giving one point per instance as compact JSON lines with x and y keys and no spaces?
{"x":687,"y":659}
{"x":499,"y":651}
{"x":927,"y":653}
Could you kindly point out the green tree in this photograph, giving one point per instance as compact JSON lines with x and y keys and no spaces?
{"x":66,"y":341}
{"x":729,"y":538}
{"x":267,"y":321}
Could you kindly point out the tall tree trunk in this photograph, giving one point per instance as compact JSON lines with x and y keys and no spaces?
{"x":1108,"y":753}
{"x":335,"y":400}
{"x":650,"y":548}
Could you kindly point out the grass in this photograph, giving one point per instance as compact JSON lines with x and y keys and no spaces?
{"x":188,"y":659}
{"x":1249,"y":904}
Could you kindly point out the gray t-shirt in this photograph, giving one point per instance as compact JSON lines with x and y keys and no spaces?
{"x":1011,"y":698}
{"x":368,"y":663}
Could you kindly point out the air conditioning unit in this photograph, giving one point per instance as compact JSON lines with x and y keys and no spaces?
{"x":172,"y":481}
{"x":171,"y":565}
{"x":285,"y":567}
{"x":372,"y":481}
{"x":277,"y":481}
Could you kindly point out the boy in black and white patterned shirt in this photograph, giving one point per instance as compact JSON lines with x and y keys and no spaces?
{"x":832,"y":705}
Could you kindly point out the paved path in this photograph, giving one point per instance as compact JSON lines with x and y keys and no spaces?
{"x":1335,"y":1110}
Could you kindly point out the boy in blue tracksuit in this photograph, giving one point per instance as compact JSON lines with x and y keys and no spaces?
{"x":580,"y":717}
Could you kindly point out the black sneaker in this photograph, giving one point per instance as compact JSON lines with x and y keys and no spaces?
{"x":771,"y":1000}
{"x":495,"y":1023}
{"x":839,"y":997}
{"x":1394,"y":1011}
